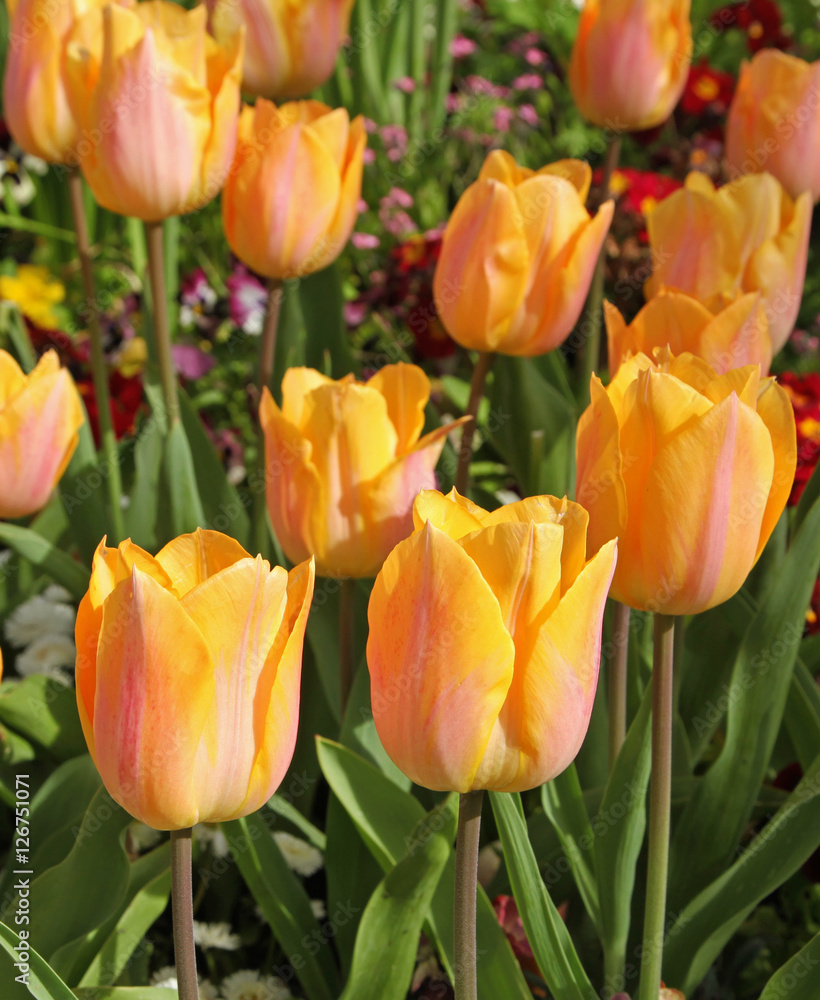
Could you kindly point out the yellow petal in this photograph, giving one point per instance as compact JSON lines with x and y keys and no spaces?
{"x":777,"y":413}
{"x":297,"y":384}
{"x":406,"y":390}
{"x":453,"y":514}
{"x":190,"y":559}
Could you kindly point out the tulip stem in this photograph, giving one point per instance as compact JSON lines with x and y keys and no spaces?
{"x":98,"y":370}
{"x":660,"y":794}
{"x":617,"y":681}
{"x":162,"y":334}
{"x":182,"y":909}
{"x":591,"y":327}
{"x":465,"y":452}
{"x":347,"y":635}
{"x":267,"y":351}
{"x":466,"y":888}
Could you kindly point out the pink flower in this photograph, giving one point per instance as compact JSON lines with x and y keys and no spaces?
{"x":406,"y":84}
{"x":355,"y":312}
{"x":190,"y":361}
{"x":364,"y":241}
{"x":370,"y":126}
{"x":461,"y":47}
{"x":502,"y":118}
{"x":397,"y":198}
{"x":369,"y":155}
{"x":480,"y":85}
{"x":535,"y":57}
{"x":247,"y":300}
{"x":528,"y":114}
{"x":527,"y":81}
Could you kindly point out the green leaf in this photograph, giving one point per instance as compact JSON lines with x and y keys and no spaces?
{"x":43,"y":982}
{"x":320,"y":295}
{"x":142,"y":512}
{"x":44,"y":710}
{"x":802,"y":715}
{"x":289,"y":812}
{"x":384,"y":956}
{"x":83,"y":492}
{"x":125,"y":993}
{"x":45,"y":556}
{"x":546,"y":931}
{"x":795,"y":979}
{"x":285,"y":904}
{"x":179,"y":474}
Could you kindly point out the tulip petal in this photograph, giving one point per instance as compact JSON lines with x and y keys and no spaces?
{"x":350,"y":194}
{"x":406,"y":390}
{"x":440,"y":660}
{"x":776,"y":412}
{"x":190,"y":559}
{"x":297,"y":383}
{"x":501,"y":166}
{"x":737,"y":336}
{"x":12,"y":377}
{"x":454,"y":514}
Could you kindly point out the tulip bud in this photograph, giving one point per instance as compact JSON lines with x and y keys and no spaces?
{"x":518,"y":256}
{"x":774,"y":121}
{"x":344,"y":462}
{"x":40,"y":416}
{"x":630,"y":61}
{"x":690,"y":470}
{"x":157,"y":100}
{"x":485,"y":640}
{"x":291,"y":47}
{"x":292,"y":198}
{"x":718,"y":244}
{"x":737,"y":336}
{"x":188,"y":670}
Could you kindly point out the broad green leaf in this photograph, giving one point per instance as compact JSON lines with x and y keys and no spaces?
{"x":43,"y":983}
{"x":384,"y":955}
{"x":142,"y":512}
{"x":44,"y":711}
{"x":797,"y":979}
{"x":125,"y":993}
{"x":179,"y":474}
{"x":289,"y":812}
{"x":320,"y":296}
{"x":83,"y":490}
{"x":45,"y":556}
{"x":285,"y":904}
{"x":802,"y":715}
{"x":546,"y":931}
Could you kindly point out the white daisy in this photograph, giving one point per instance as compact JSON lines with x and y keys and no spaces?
{"x":212,"y":837}
{"x":51,"y":655}
{"x":143,"y":837}
{"x":249,"y":985}
{"x":36,"y":616}
{"x":166,"y":977}
{"x":56,"y":594}
{"x":319,"y":908}
{"x":216,"y":936}
{"x":300,"y":856}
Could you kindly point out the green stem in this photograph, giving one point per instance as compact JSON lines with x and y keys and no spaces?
{"x":183,"y":914}
{"x":98,"y":368}
{"x":347,"y":635}
{"x":162,"y":334}
{"x":267,"y":352}
{"x":617,"y":681}
{"x":591,"y":348}
{"x":659,"y":808}
{"x":465,"y":452}
{"x":466,"y":888}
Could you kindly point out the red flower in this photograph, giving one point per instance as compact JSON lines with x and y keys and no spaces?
{"x":761,"y":21}
{"x":507,"y":912}
{"x":804,"y":392}
{"x":639,"y":190}
{"x":126,"y":399}
{"x":709,"y":89}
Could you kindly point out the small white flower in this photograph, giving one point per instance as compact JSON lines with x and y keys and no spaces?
{"x":38,"y":615}
{"x":212,"y":837}
{"x":319,"y":908}
{"x":165,"y":977}
{"x":300,"y":856}
{"x":143,"y":837}
{"x":249,"y":985}
{"x":56,"y":594}
{"x":216,"y":936}
{"x":51,"y":655}
{"x":207,"y":990}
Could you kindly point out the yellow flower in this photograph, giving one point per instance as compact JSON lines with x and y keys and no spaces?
{"x":35,"y":292}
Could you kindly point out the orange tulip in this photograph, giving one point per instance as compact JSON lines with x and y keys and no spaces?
{"x":292,"y":199}
{"x":718,"y":244}
{"x":344,"y":464}
{"x":34,"y":86}
{"x":737,"y":336}
{"x":774,"y":121}
{"x":40,"y":416}
{"x":157,"y":100}
{"x":518,"y":256}
{"x":690,"y":470}
{"x":485,"y":640}
{"x":630,"y":61}
{"x":291,"y":44}
{"x":188,"y":670}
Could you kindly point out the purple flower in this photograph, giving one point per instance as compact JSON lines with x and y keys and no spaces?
{"x":502,"y":118}
{"x":355,"y":312}
{"x":190,"y":361}
{"x":197,"y":300}
{"x":247,"y":301}
{"x":461,"y":47}
{"x":528,"y":114}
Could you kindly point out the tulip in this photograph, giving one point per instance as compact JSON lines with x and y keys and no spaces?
{"x":774,"y":121}
{"x":690,"y":470}
{"x":718,"y":244}
{"x":157,"y":100}
{"x":40,"y":416}
{"x":737,"y":336}
{"x":291,"y":200}
{"x":344,"y":464}
{"x":485,"y":640}
{"x":291,"y":46}
{"x":34,"y":86}
{"x":630,"y":61}
{"x":188,"y":670}
{"x":518,"y":255}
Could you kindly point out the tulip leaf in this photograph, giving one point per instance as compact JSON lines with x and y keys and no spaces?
{"x":712,"y":823}
{"x":83,"y":492}
{"x":802,"y":715}
{"x":125,"y":993}
{"x":179,"y":474}
{"x":384,"y":955}
{"x":143,"y":511}
{"x":47,"y":557}
{"x":563,"y":803}
{"x":285,"y":904}
{"x":795,"y":979}
{"x":44,"y":711}
{"x":702,"y":929}
{"x":42,"y":982}
{"x":385,"y":817}
{"x":320,"y":296}
{"x":546,"y":931}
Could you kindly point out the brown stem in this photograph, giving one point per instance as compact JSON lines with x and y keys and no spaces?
{"x":162,"y":334}
{"x":617,"y":681}
{"x":465,"y":453}
{"x":267,"y":350}
{"x":182,"y":910}
{"x":347,"y":634}
{"x":466,"y":888}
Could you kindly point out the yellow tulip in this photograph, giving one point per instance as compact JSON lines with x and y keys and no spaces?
{"x":40,"y":416}
{"x":630,"y":61}
{"x":737,"y":336}
{"x":344,"y":462}
{"x":157,"y":102}
{"x":292,"y":198}
{"x":690,"y":470}
{"x":718,"y":244}
{"x":188,"y":670}
{"x":518,"y":256}
{"x":485,"y":640}
{"x":34,"y":86}
{"x":774,"y":121}
{"x":291,"y":44}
